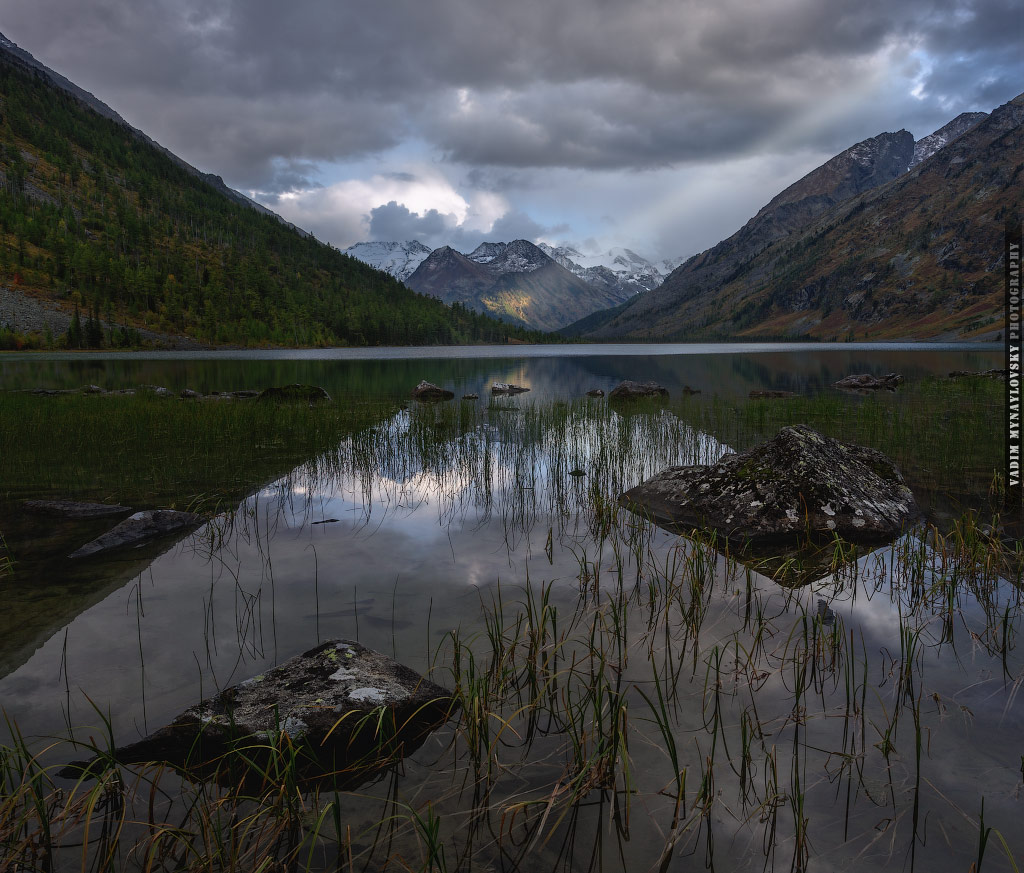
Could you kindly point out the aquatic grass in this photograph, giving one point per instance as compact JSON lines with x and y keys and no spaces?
{"x":153,"y":450}
{"x":588,"y":703}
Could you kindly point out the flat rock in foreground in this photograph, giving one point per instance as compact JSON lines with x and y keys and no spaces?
{"x":799,"y":483}
{"x":629,"y":390}
{"x":139,"y":529}
{"x":346,"y":709}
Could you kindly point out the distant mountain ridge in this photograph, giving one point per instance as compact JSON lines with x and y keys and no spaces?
{"x":779,"y":274}
{"x":615,"y":276}
{"x":514,"y":281}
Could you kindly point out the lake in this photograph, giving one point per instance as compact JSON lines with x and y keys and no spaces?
{"x":650,"y":701}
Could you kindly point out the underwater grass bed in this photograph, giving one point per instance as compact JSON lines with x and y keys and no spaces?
{"x":148,"y":450}
{"x":650,"y":704}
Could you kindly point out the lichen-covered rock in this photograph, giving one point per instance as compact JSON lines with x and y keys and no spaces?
{"x":506,"y":388}
{"x":798,"y":484}
{"x":429,"y":391}
{"x":73,"y":508}
{"x":141,"y":528}
{"x":867,"y":382}
{"x":311,"y":394}
{"x":629,"y":390}
{"x":345,"y":708}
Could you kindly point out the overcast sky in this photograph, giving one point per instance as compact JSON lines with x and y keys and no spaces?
{"x":660,"y":125}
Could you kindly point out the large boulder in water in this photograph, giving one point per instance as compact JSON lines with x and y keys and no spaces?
{"x":629,"y":390}
{"x":346,"y":709}
{"x":507,"y":388}
{"x":799,"y":483}
{"x":866,"y":382}
{"x":139,"y":529}
{"x":429,"y":391}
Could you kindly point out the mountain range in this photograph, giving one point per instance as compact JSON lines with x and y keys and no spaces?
{"x":547,"y":299}
{"x":890,"y":239}
{"x":514,"y":281}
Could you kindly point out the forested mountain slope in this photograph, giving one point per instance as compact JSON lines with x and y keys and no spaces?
{"x":94,"y":215}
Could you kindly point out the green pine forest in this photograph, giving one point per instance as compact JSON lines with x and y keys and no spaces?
{"x":95,"y":217}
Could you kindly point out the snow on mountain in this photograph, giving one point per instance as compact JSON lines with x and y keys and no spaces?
{"x":486,"y":252}
{"x":617,"y":266}
{"x":929,"y":145}
{"x":518,"y":256}
{"x":400,"y":259}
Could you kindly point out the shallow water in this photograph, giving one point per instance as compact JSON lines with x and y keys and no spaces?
{"x":398,"y":543}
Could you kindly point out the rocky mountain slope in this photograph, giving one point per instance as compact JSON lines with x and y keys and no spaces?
{"x":859,"y":247}
{"x":515,"y":281}
{"x":96,"y":217}
{"x":398,"y":259}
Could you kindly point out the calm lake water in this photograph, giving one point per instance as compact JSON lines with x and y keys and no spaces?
{"x":549,"y":371}
{"x":399,"y":545}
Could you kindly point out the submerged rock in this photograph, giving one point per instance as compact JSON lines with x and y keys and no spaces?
{"x":141,"y":528}
{"x":348,"y":710}
{"x":637,"y":390}
{"x":771,"y":394}
{"x":688,"y":391}
{"x":310,"y":394}
{"x":867,"y":382}
{"x":506,"y":388}
{"x":595,"y":392}
{"x":429,"y":391}
{"x":470,"y":396}
{"x":798,"y":484}
{"x":73,"y":508}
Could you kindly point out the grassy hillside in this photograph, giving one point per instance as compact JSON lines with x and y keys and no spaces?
{"x":93,"y":217}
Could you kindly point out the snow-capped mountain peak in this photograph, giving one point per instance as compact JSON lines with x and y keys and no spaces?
{"x":618,"y":266}
{"x":400,"y":259}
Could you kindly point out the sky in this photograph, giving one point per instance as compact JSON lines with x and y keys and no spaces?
{"x":658,"y":125}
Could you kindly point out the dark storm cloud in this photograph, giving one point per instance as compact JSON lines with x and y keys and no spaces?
{"x":394,"y":221}
{"x":241,"y":85}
